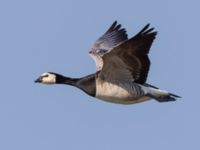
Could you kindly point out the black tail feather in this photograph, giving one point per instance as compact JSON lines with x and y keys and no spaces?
{"x":165,"y":98}
{"x":174,"y":95}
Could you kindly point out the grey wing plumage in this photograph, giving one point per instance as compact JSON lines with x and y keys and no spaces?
{"x":114,"y":36}
{"x":129,"y":61}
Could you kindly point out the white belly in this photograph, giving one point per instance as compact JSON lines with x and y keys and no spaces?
{"x":116,"y":94}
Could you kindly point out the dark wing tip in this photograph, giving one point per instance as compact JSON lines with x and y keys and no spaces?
{"x":146,"y":30}
{"x":112,"y":27}
{"x":118,"y":27}
{"x":115,"y":22}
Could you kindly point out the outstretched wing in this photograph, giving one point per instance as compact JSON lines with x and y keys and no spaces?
{"x":114,"y":36}
{"x":129,"y":61}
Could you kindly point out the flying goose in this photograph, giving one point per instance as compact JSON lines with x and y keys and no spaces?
{"x":122,"y":67}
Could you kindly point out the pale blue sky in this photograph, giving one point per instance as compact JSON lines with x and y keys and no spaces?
{"x":45,"y":35}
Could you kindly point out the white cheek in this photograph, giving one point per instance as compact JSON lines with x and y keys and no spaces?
{"x":49,"y":81}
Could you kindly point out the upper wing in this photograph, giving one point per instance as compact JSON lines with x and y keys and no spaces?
{"x":114,"y":36}
{"x":129,"y":61}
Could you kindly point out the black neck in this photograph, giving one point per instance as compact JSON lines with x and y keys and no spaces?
{"x":87,"y":83}
{"x":66,"y":80}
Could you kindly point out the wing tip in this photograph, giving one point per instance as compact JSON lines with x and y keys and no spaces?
{"x":115,"y":27}
{"x":147,"y":30}
{"x":112,"y":27}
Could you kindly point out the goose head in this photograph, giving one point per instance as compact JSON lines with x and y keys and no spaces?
{"x":49,"y":78}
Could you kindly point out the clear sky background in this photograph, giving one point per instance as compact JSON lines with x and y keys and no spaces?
{"x":44,"y":35}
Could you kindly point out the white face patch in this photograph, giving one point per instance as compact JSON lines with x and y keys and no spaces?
{"x":48,"y":78}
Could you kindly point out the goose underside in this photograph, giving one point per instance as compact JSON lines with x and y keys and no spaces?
{"x":121,"y":93}
{"x":124,"y":100}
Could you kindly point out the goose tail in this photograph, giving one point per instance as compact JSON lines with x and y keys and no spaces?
{"x":162,"y":96}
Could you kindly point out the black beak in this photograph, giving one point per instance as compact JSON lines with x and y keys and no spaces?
{"x":38,"y":80}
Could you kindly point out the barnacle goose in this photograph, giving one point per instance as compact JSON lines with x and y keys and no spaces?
{"x":122,"y":67}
